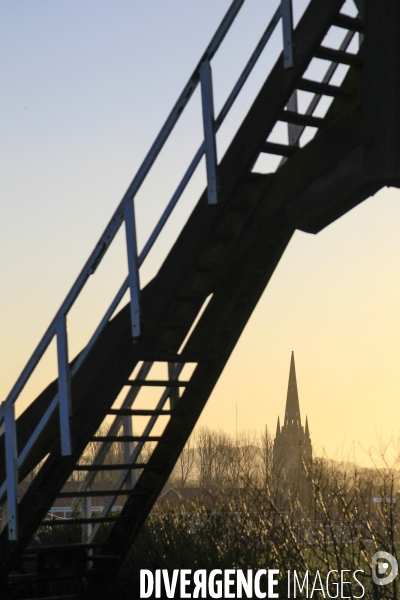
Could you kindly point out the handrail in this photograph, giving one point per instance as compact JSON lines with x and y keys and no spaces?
{"x":118,"y":216}
{"x":125,"y":213}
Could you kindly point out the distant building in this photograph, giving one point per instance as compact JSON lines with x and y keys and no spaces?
{"x":292,"y":452}
{"x":62,"y":507}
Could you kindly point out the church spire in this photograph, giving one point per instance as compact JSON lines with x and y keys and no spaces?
{"x":278,"y":427}
{"x":292,"y":454}
{"x":292,"y":411}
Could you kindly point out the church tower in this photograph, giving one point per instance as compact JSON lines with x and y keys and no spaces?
{"x":292,"y":453}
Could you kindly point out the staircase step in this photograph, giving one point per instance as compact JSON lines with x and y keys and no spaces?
{"x":174,"y":358}
{"x":93,"y":493}
{"x":83,"y":521}
{"x":175,"y":325}
{"x":35,"y":578}
{"x":289,"y":116}
{"x":157,"y":383}
{"x":139,"y":412}
{"x":206,"y":268}
{"x":104,"y":557}
{"x":69,"y":597}
{"x":241,"y":206}
{"x":113,"y":467}
{"x":350,"y":23}
{"x":89,"y":557}
{"x":58,"y":547}
{"x":126,"y":438}
{"x":322,"y":89}
{"x":338,"y":56}
{"x":191,"y":296}
{"x":223,"y":237}
{"x":279,"y":149}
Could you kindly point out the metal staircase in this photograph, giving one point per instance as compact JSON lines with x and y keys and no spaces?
{"x":188,"y":319}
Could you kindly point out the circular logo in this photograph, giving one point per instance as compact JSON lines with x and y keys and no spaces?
{"x":382,"y":567}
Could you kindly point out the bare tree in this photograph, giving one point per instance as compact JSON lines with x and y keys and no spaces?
{"x":205,"y":456}
{"x":266,"y":449}
{"x":223,"y":460}
{"x":248,"y":457}
{"x":185,"y":465}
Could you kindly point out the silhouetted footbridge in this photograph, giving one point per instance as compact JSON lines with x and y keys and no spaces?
{"x":196,"y":307}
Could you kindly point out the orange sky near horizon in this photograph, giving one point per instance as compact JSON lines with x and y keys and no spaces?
{"x":334,"y":300}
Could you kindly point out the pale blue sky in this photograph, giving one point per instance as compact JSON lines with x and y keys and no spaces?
{"x":86,"y":85}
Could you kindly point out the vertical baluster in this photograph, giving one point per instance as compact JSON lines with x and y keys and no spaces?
{"x":173,"y":372}
{"x":86,"y":508}
{"x":127,"y":429}
{"x":293,"y":130}
{"x":207,"y":99}
{"x":64,"y":386}
{"x":11,"y":472}
{"x":3,"y":513}
{"x":287,"y":27}
{"x":133,"y":266}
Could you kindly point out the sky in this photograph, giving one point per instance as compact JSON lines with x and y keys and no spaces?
{"x":86,"y":86}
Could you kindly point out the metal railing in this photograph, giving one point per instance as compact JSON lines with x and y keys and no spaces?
{"x":125,"y":213}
